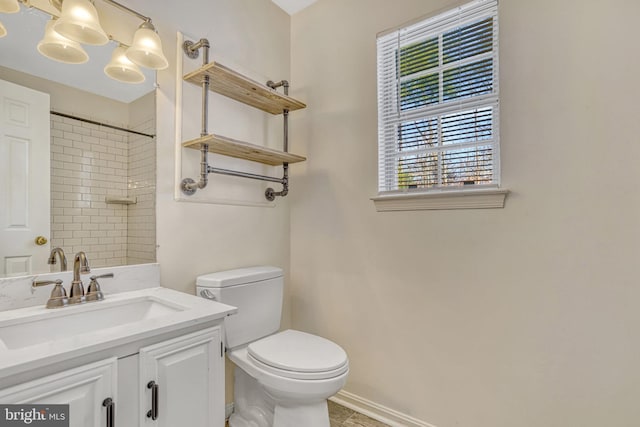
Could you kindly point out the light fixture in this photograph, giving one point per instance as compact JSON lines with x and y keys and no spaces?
{"x":79,"y":21}
{"x":3,"y":30}
{"x":59,"y":48}
{"x":146,"y":49}
{"x":9,"y":6}
{"x":121,"y":69}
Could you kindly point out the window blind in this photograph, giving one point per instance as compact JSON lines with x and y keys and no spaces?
{"x":438,"y":102}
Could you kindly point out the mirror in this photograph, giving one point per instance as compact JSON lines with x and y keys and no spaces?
{"x":102,"y":155}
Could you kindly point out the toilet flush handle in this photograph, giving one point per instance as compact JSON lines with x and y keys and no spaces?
{"x":206,"y":293}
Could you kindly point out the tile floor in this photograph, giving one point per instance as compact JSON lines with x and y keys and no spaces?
{"x":339,"y":416}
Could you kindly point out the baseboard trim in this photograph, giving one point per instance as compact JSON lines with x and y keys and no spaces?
{"x":377,"y":412}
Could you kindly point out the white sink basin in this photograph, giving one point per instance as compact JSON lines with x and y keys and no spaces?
{"x":36,"y":337}
{"x":82,"y":319}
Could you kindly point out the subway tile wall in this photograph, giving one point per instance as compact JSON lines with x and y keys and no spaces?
{"x":141,"y":224}
{"x":88,"y":163}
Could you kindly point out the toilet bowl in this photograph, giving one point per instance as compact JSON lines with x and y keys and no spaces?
{"x":297,"y":389}
{"x":283,"y":379}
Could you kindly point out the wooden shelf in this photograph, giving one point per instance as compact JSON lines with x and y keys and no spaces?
{"x":234,"y":85}
{"x":243,"y":150}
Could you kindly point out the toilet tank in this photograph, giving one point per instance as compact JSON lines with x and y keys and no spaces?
{"x":256,"y":292}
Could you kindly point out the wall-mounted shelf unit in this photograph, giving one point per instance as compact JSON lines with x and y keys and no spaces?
{"x":217,"y":78}
{"x":243,"y":150}
{"x":231,"y":84}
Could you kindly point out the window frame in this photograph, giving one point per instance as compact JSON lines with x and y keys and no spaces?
{"x":390,"y":148}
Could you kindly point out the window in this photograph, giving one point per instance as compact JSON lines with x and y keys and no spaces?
{"x":438,"y":102}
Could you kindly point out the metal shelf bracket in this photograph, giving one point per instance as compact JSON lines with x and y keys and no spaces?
{"x":190,"y":186}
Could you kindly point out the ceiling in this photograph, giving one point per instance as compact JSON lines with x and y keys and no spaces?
{"x":293,"y":6}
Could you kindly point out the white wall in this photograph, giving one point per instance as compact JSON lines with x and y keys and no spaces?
{"x":198,"y":238}
{"x":522,"y":316}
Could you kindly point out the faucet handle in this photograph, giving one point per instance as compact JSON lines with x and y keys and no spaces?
{"x":38,"y":283}
{"x":102,"y":276}
{"x":93,"y":291}
{"x":58,"y":297}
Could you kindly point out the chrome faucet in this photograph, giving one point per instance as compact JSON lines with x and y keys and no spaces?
{"x":80,"y":265}
{"x":58,"y":296}
{"x":63,"y":258}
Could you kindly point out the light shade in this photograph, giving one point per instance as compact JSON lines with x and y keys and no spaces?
{"x":59,"y":48}
{"x":9,"y":6}
{"x":146,"y":49}
{"x":79,"y":21}
{"x":3,"y":30}
{"x":121,"y":69}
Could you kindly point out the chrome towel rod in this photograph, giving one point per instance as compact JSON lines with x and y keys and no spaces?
{"x":246,"y":175}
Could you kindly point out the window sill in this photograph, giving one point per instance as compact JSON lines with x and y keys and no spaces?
{"x":462,"y":199}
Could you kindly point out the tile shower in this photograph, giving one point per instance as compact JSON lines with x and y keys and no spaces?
{"x":88,"y":163}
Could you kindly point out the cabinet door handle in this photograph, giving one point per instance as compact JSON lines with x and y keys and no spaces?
{"x":153,"y":412}
{"x":111,"y":409}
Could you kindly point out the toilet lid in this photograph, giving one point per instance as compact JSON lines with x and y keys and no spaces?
{"x":299,"y":352}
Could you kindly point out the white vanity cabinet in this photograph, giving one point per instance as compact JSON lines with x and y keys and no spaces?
{"x":172,"y":383}
{"x":84,"y":389}
{"x":182,"y":381}
{"x":155,"y":353}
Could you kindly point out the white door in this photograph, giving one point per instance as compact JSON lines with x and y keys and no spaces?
{"x":84,"y":389}
{"x":24,"y":179}
{"x":186,"y":377}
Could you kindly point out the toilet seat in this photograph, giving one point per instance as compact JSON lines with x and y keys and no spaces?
{"x":298,"y":355}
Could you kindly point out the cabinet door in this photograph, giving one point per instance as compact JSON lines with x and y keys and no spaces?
{"x":128,"y":407}
{"x":84,"y":389}
{"x":188,"y":375}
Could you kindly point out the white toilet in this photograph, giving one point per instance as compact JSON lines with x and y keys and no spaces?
{"x":284,"y":378}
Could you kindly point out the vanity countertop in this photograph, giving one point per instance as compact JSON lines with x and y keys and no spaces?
{"x":35,"y":337}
